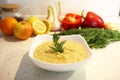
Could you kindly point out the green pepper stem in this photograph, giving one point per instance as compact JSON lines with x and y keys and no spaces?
{"x":83,"y":14}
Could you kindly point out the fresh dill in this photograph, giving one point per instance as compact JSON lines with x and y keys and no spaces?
{"x":95,"y":37}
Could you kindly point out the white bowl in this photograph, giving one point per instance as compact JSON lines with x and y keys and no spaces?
{"x":58,"y":67}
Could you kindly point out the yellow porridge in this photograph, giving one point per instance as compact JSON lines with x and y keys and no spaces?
{"x":73,"y":52}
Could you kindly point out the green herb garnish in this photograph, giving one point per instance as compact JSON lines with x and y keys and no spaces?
{"x":58,"y":46}
{"x":95,"y":37}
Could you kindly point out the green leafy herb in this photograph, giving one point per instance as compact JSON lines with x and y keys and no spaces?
{"x":58,"y":46}
{"x":95,"y":37}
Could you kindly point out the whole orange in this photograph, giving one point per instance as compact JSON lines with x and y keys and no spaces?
{"x":7,"y":24}
{"x":23,"y":30}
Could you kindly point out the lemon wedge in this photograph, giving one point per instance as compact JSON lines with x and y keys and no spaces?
{"x":39,"y":27}
{"x":48,"y":25}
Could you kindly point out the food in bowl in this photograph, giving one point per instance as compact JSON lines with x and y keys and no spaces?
{"x":76,"y":53}
{"x":73,"y":52}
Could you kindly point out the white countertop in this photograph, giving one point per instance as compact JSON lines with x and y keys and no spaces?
{"x":16,"y":65}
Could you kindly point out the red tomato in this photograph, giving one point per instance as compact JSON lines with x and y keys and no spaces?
{"x":71,"y":20}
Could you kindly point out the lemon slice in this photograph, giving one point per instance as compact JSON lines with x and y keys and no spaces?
{"x":39,"y":27}
{"x":48,"y":25}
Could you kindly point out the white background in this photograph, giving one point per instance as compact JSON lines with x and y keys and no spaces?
{"x":101,"y":7}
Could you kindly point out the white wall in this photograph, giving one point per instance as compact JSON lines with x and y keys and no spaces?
{"x":102,"y":7}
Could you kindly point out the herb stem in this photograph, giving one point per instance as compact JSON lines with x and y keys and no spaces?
{"x":58,"y":46}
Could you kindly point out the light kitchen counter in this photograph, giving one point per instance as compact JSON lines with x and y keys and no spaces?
{"x":16,"y":65}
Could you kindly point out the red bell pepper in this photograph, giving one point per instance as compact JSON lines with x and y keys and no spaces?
{"x":71,"y":20}
{"x":93,"y":20}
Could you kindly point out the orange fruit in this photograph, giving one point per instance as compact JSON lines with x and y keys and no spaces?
{"x":0,"y":27}
{"x":23,"y":30}
{"x":7,"y":24}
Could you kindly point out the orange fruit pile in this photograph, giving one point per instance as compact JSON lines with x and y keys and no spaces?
{"x":24,"y":29}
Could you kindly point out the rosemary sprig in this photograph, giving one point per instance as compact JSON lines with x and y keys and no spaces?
{"x":58,"y":46}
